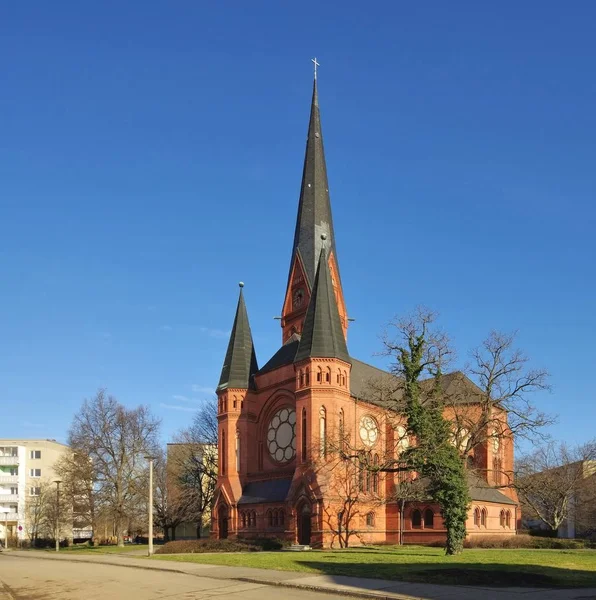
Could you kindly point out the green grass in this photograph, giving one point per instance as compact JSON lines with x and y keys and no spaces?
{"x":494,"y":567}
{"x":84,"y":549}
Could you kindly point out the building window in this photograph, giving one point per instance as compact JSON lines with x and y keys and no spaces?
{"x":370,"y":519}
{"x":35,"y":472}
{"x":304,"y":435}
{"x":376,"y":475}
{"x":301,"y":378}
{"x":429,"y":519}
{"x":341,"y":430}
{"x":35,"y":454}
{"x":319,"y":375}
{"x":223,"y":453}
{"x":502,"y":518}
{"x":328,"y":375}
{"x":307,"y":376}
{"x":237,"y":452}
{"x":477,"y":517}
{"x":483,"y":516}
{"x":416,"y":518}
{"x":35,"y":491}
{"x":508,"y":519}
{"x":270,"y":518}
{"x":14,"y":491}
{"x":323,"y":432}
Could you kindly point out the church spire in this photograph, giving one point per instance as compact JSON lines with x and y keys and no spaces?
{"x":314,"y":219}
{"x":240,"y":363}
{"x":322,"y":336}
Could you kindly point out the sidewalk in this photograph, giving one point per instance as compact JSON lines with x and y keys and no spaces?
{"x":336,"y":586}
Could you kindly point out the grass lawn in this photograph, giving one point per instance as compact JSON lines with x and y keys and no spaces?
{"x":84,"y":549}
{"x":494,"y":567}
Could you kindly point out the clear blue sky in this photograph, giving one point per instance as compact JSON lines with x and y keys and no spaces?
{"x":151,"y":156}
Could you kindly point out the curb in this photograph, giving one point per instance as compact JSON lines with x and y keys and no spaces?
{"x":255,"y":580}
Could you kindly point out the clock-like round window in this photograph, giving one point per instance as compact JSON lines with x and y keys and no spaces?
{"x":281,"y":435}
{"x":369,"y":431}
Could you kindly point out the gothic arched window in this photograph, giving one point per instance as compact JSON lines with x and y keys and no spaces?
{"x":376,"y":475}
{"x":238,"y":451}
{"x":429,"y":518}
{"x":483,"y":517}
{"x":370,"y":519}
{"x":323,"y":431}
{"x":477,"y":517}
{"x":416,"y":518}
{"x":508,"y":518}
{"x":304,"y":434}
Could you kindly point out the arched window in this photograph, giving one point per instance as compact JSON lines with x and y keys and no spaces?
{"x":344,"y":378}
{"x":483,"y":516}
{"x":235,"y":402}
{"x":238,"y":451}
{"x":224,"y":452}
{"x":254,"y":518}
{"x":275,"y":520}
{"x":429,"y":519}
{"x":243,"y":519}
{"x":307,"y":376}
{"x":342,"y":433}
{"x":323,"y":431}
{"x":338,"y":377}
{"x":360,"y":474}
{"x":477,"y":517}
{"x":303,"y":434}
{"x":416,"y":518}
{"x":370,"y":519}
{"x":376,"y":475}
{"x":508,"y":518}
{"x":328,"y":375}
{"x":301,"y":378}
{"x":319,"y":375}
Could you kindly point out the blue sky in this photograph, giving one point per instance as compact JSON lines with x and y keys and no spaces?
{"x":151,"y":155}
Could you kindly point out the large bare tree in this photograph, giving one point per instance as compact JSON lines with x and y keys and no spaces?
{"x":115,"y":439}
{"x":555,"y":481}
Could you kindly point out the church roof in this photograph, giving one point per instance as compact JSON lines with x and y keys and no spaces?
{"x":314,"y":207}
{"x":284,"y":356}
{"x":240,"y":363}
{"x":273,"y":490}
{"x":482,"y":492}
{"x":322,"y":335}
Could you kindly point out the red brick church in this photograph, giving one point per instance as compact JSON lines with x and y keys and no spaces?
{"x":276,"y":422}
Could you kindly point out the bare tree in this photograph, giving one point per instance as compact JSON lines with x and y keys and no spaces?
{"x":551,"y":481}
{"x":115,"y":439}
{"x":36,"y":510}
{"x":193,"y":471}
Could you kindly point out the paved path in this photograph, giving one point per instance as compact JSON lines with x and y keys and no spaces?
{"x":46,"y":576}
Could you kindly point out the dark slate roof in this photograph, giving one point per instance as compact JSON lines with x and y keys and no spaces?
{"x":240,"y":363}
{"x":322,"y":335}
{"x":314,"y":208}
{"x":284,"y":356}
{"x":482,"y":492}
{"x":273,"y":490}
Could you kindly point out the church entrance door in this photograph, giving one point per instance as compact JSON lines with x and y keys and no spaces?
{"x":304,"y":525}
{"x":223,"y":522}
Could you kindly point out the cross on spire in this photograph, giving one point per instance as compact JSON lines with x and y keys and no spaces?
{"x":314,"y":60}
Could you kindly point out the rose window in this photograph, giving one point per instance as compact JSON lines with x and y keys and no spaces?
{"x":369,"y":432}
{"x":281,"y":435}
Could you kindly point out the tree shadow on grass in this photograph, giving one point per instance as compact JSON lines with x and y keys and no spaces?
{"x":471,"y":574}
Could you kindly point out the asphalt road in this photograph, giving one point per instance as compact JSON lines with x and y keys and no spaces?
{"x":38,"y":579}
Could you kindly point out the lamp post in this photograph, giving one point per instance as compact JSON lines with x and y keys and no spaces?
{"x":57,"y":482}
{"x":150,"y":515}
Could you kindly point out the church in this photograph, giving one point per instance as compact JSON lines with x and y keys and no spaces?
{"x":276,"y":423}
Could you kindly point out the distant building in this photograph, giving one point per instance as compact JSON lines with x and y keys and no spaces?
{"x":26,"y":468}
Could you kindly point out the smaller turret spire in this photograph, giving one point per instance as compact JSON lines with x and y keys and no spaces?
{"x":322,"y":336}
{"x":240,"y":363}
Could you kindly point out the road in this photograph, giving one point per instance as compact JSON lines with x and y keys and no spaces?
{"x":38,"y":579}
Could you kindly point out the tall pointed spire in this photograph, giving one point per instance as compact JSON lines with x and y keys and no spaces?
{"x":322,"y":336}
{"x":240,"y":363}
{"x":314,"y":219}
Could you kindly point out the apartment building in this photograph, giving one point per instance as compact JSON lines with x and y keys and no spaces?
{"x":25,"y":467}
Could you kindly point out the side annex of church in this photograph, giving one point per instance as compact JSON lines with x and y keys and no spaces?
{"x":276,"y":423}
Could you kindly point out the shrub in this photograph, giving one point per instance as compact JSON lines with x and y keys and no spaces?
{"x":524,"y":541}
{"x":209,"y":545}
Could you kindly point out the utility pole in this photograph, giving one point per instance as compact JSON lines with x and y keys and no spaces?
{"x":150,"y":459}
{"x":58,"y":482}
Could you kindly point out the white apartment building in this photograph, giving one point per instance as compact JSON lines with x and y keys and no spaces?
{"x":25,"y":465}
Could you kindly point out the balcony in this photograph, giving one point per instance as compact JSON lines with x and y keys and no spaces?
{"x":9,"y":460}
{"x":11,"y":516}
{"x":9,"y":498}
{"x":9,"y":479}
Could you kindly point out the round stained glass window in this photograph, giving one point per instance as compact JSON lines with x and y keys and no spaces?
{"x":369,"y":432}
{"x":281,"y":435}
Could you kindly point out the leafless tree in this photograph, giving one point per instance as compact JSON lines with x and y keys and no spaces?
{"x":193,"y":470}
{"x":115,"y":439}
{"x":555,"y":479}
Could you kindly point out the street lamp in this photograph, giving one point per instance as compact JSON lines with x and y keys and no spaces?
{"x":150,"y":459}
{"x":57,"y":482}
